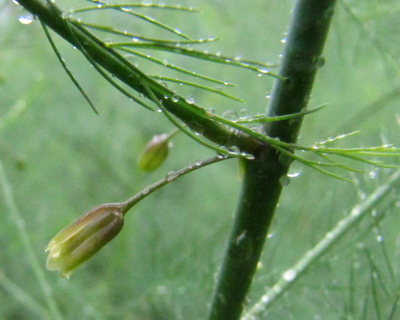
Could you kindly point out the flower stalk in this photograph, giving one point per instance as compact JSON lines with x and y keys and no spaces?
{"x":78,"y":242}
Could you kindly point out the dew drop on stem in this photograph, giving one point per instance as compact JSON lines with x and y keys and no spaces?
{"x":284,"y":180}
{"x":294,"y":172}
{"x":319,"y":62}
{"x":241,"y":237}
{"x":172,"y":175}
{"x":289,"y":275}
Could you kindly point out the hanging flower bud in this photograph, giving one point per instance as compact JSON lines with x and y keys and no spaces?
{"x":155,"y":153}
{"x":79,"y":241}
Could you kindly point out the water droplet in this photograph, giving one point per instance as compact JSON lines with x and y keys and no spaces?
{"x":372,"y":174}
{"x":243,"y":114}
{"x":284,"y":180}
{"x":177,"y":31}
{"x":374,"y":213}
{"x":161,"y":290}
{"x":263,"y":70}
{"x":355,"y":212}
{"x":241,"y":237}
{"x":172,"y":175}
{"x":189,"y":99}
{"x":198,"y":133}
{"x":379,"y":238}
{"x":265,"y":299}
{"x":294,"y":174}
{"x":216,"y":275}
{"x":319,"y":62}
{"x":26,"y":19}
{"x":234,"y":150}
{"x":247,"y":155}
{"x":230,"y":115}
{"x":211,"y":110}
{"x":289,"y":275}
{"x":198,"y":163}
{"x":329,"y":235}
{"x":284,"y":40}
{"x":362,"y":195}
{"x":175,"y":98}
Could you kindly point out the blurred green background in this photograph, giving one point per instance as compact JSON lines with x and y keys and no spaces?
{"x":60,"y":159}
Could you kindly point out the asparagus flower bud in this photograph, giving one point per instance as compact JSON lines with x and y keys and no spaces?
{"x":79,"y":241}
{"x":155,"y":152}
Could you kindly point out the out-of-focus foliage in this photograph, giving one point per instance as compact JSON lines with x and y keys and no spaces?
{"x":61,"y":159}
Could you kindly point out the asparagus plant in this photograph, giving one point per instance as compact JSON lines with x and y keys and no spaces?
{"x":266,"y":144}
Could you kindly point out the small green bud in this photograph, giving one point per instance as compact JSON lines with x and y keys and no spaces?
{"x":79,"y":241}
{"x":155,"y":153}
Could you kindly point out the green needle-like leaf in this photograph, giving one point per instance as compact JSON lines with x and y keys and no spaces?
{"x":103,"y":6}
{"x":246,"y":64}
{"x":143,"y":17}
{"x":199,"y":86}
{"x":69,"y":73}
{"x":175,"y":68}
{"x":136,"y":37}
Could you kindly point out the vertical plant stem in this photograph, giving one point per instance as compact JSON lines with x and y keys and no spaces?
{"x":262,"y":183}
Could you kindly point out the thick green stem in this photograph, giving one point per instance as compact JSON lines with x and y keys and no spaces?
{"x":194,"y":116}
{"x":263,"y":178}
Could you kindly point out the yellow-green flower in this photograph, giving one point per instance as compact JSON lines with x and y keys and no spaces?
{"x":155,"y":152}
{"x":79,"y":241}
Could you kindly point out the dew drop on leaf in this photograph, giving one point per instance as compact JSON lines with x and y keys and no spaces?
{"x":262,"y":71}
{"x":230,"y":115}
{"x":294,"y":174}
{"x":189,"y":99}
